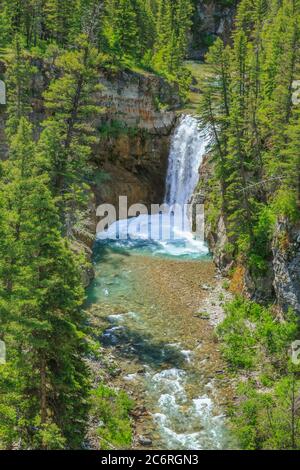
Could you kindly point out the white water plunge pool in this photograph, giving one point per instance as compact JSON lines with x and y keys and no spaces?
{"x":169,"y":232}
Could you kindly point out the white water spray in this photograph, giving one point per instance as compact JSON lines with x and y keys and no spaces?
{"x":187,"y":150}
{"x":170,"y":232}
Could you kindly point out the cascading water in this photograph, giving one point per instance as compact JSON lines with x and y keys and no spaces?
{"x":186,"y":153}
{"x":147,"y":329}
{"x":169,"y":232}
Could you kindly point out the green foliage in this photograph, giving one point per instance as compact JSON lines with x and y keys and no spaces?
{"x":113,"y":408}
{"x":152,"y":35}
{"x":250,"y":332}
{"x":4,"y":27}
{"x":128,"y":33}
{"x":254,"y":125}
{"x":65,"y":143}
{"x":61,"y":19}
{"x":128,"y":30}
{"x":285,"y":205}
{"x":173,"y":24}
{"x":41,"y":20}
{"x":20,"y":75}
{"x":121,"y":27}
{"x":56,"y":47}
{"x":239,"y":339}
{"x":269,"y":420}
{"x":41,"y":296}
{"x":255,"y":340}
{"x":208,"y":39}
{"x":116,"y":128}
{"x":260,"y":251}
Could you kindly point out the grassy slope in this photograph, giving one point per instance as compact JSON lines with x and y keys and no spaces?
{"x":199,"y":71}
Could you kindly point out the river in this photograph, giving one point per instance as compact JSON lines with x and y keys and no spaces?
{"x":151,"y":295}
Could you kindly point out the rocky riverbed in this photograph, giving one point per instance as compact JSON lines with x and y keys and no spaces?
{"x":156,"y":315}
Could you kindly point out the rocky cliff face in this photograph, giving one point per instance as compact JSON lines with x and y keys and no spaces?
{"x":212,"y":18}
{"x":141,"y":100}
{"x":281,"y":279}
{"x":131,"y":154}
{"x":215,"y":228}
{"x":134,"y":137}
{"x":286,"y":265}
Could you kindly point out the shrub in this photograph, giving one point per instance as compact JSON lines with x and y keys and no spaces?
{"x":112,"y":409}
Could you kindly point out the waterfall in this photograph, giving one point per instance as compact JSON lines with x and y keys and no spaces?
{"x":187,"y":150}
{"x":168,"y":232}
{"x":150,"y":308}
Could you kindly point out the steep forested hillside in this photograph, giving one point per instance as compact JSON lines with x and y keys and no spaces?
{"x":251,"y":105}
{"x":51,"y":54}
{"x":254,"y":117}
{"x":56,"y":58}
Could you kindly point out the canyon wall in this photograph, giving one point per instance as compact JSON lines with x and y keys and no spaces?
{"x":212,"y":18}
{"x":286,"y":265}
{"x":134,"y":137}
{"x":132,"y":143}
{"x":280,"y":281}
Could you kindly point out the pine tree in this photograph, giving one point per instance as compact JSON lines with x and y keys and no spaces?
{"x":41,"y":289}
{"x":121,"y":28}
{"x":5,"y":26}
{"x":67,"y":135}
{"x":173,"y":24}
{"x":181,"y":25}
{"x":19,"y":80}
{"x":248,"y":104}
{"x":145,"y":21}
{"x":215,"y":111}
{"x":164,"y":36}
{"x":286,"y":50}
{"x":62,"y":19}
